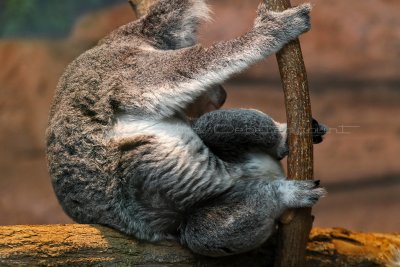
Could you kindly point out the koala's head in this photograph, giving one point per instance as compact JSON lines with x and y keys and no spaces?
{"x":213,"y":99}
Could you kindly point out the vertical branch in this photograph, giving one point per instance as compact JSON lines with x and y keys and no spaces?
{"x":293,"y":236}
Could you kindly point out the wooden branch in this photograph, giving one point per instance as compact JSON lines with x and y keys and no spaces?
{"x":293,"y":236}
{"x":83,"y":245}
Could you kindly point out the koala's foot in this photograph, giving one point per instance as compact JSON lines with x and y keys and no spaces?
{"x":318,"y":131}
{"x":297,"y":194}
{"x":291,"y":23}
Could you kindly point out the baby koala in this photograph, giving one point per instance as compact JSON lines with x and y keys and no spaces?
{"x":254,"y":139}
{"x":122,"y":153}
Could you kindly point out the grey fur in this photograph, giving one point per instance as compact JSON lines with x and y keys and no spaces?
{"x":231,"y":134}
{"x":121,"y":152}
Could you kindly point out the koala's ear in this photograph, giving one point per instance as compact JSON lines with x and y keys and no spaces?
{"x":142,"y":7}
{"x":172,"y":24}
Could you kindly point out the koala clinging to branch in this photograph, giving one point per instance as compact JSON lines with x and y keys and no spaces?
{"x":123,"y":153}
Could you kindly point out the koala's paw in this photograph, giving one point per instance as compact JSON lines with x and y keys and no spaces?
{"x":297,"y":20}
{"x":297,"y":194}
{"x":318,"y":131}
{"x":289,"y":23}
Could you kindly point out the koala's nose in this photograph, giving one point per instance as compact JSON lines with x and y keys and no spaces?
{"x":319,"y":130}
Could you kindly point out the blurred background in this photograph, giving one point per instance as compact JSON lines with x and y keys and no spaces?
{"x":352,"y":56}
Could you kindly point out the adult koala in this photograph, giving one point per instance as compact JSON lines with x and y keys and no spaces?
{"x":122,"y":153}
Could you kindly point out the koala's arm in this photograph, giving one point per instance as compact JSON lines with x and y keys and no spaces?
{"x":174,"y":71}
{"x":271,"y":31}
{"x":199,"y":67}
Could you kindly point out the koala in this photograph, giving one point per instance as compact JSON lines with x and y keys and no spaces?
{"x":254,"y":139}
{"x":235,"y":134}
{"x":123,"y":153}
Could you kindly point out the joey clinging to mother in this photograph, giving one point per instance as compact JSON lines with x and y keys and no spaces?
{"x":122,"y":153}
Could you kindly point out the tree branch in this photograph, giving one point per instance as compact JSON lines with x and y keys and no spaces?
{"x":293,"y":236}
{"x":82,"y":245}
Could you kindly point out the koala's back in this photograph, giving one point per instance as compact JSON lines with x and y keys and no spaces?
{"x":97,"y":175}
{"x":82,"y":160}
{"x":77,"y":153}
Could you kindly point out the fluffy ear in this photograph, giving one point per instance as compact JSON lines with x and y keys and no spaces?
{"x":141,"y":6}
{"x":172,"y":24}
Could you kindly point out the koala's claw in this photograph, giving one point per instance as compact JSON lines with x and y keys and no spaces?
{"x":317,"y":183}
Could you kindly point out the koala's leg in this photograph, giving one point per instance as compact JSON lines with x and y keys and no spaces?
{"x":244,"y":217}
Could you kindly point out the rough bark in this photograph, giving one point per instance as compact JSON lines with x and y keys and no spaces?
{"x":83,"y":245}
{"x":293,"y":236}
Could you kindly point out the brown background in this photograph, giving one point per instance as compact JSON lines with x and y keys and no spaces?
{"x":352,"y":55}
